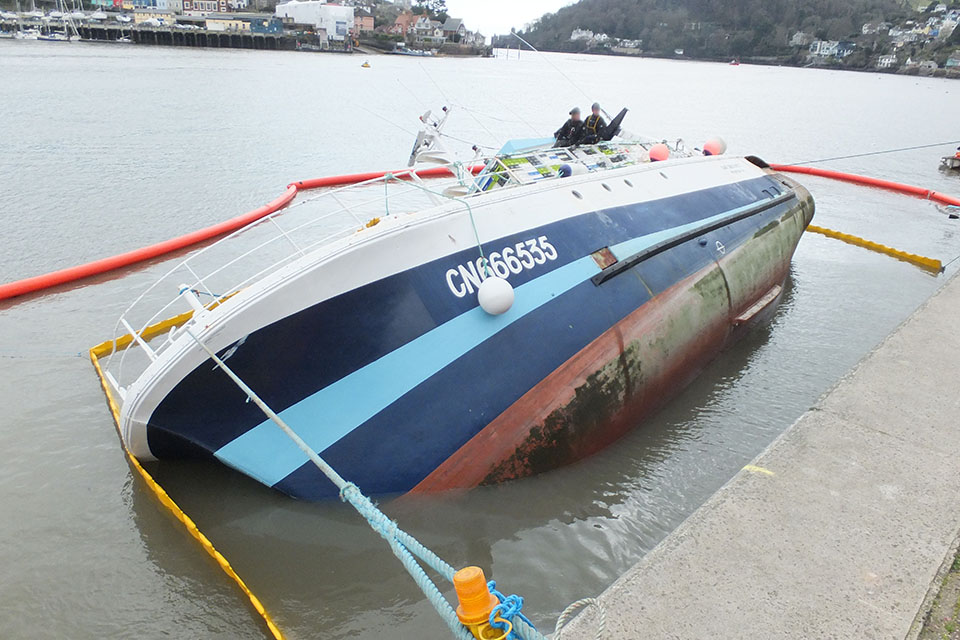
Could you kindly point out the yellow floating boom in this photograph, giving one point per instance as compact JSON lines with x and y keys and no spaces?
{"x":928,"y":264}
{"x":159,"y":492}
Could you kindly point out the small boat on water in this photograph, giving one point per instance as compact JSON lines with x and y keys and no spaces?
{"x":428,"y":334}
{"x":54,"y":36}
{"x":400,"y":49}
{"x":366,"y":64}
{"x":950,"y":163}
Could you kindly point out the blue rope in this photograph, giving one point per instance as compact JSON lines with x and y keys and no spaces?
{"x":197,"y":292}
{"x":404,"y":545}
{"x":510,"y":609}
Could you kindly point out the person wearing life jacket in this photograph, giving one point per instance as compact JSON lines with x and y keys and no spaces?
{"x":571,"y":132}
{"x":957,"y":154}
{"x":593,"y":126}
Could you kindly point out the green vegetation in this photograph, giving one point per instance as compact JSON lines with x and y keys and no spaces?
{"x":718,"y":29}
{"x":435,"y":9}
{"x":940,"y":622}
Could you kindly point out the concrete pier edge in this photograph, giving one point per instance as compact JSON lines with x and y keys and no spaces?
{"x":844,"y":526}
{"x":918,"y":620}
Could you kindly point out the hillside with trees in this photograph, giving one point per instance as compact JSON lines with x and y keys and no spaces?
{"x":712,"y":29}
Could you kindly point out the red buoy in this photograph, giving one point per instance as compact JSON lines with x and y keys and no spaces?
{"x":659,"y":152}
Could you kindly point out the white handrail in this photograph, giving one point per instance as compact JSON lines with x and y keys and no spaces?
{"x":395,"y":190}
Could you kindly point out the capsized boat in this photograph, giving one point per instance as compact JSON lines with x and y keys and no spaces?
{"x":428,"y":334}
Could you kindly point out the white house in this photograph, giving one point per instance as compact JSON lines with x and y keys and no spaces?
{"x":801,"y":39}
{"x":428,"y":31}
{"x":336,"y":20}
{"x":887,"y":62}
{"x":845,"y":49}
{"x":947,"y":28}
{"x":581,"y":34}
{"x":824,"y":48}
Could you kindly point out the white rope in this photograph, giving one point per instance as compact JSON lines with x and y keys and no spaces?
{"x":567,"y":615}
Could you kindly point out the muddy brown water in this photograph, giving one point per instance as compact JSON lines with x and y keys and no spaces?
{"x":107,"y":148}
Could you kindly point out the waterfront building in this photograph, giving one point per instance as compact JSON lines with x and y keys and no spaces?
{"x":226,"y":22}
{"x":362,"y":21}
{"x":335,"y":19}
{"x":581,"y":34}
{"x":824,"y":48}
{"x":887,"y":62}
{"x":154,"y":16}
{"x":454,"y":30}
{"x":403,"y":24}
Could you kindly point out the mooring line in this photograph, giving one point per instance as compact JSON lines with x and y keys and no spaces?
{"x":404,"y":545}
{"x":878,"y":153}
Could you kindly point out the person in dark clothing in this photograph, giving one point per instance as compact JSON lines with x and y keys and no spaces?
{"x":593,"y":126}
{"x":571,"y":131}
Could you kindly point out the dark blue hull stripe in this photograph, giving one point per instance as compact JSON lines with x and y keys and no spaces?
{"x":397,"y":448}
{"x":328,"y":415}
{"x":303,"y":353}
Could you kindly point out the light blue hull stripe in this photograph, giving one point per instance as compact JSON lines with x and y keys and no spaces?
{"x":328,"y":415}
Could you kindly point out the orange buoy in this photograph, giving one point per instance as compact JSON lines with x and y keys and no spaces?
{"x":659,"y":152}
{"x":714,"y":147}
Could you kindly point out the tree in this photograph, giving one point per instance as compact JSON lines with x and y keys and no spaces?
{"x":433,"y":8}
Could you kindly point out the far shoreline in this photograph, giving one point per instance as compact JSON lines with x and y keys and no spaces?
{"x":949,"y":74}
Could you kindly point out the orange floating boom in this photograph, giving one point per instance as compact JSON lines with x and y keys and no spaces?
{"x":870,"y":182}
{"x":103,"y":265}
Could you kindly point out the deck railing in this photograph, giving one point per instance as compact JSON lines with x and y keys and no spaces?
{"x":211,"y":275}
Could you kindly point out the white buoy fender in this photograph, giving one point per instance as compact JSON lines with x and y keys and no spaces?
{"x":495,"y":295}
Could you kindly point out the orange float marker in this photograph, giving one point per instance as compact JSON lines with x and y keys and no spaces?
{"x":659,"y":152}
{"x":475,"y":603}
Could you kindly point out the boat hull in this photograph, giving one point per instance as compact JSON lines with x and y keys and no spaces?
{"x":405,"y":384}
{"x":630,"y":370}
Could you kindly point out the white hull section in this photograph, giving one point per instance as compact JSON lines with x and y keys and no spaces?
{"x":400,"y":243}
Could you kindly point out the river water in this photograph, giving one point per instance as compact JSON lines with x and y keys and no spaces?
{"x":106,"y":148}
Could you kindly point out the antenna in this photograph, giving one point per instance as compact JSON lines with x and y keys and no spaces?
{"x":428,"y":147}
